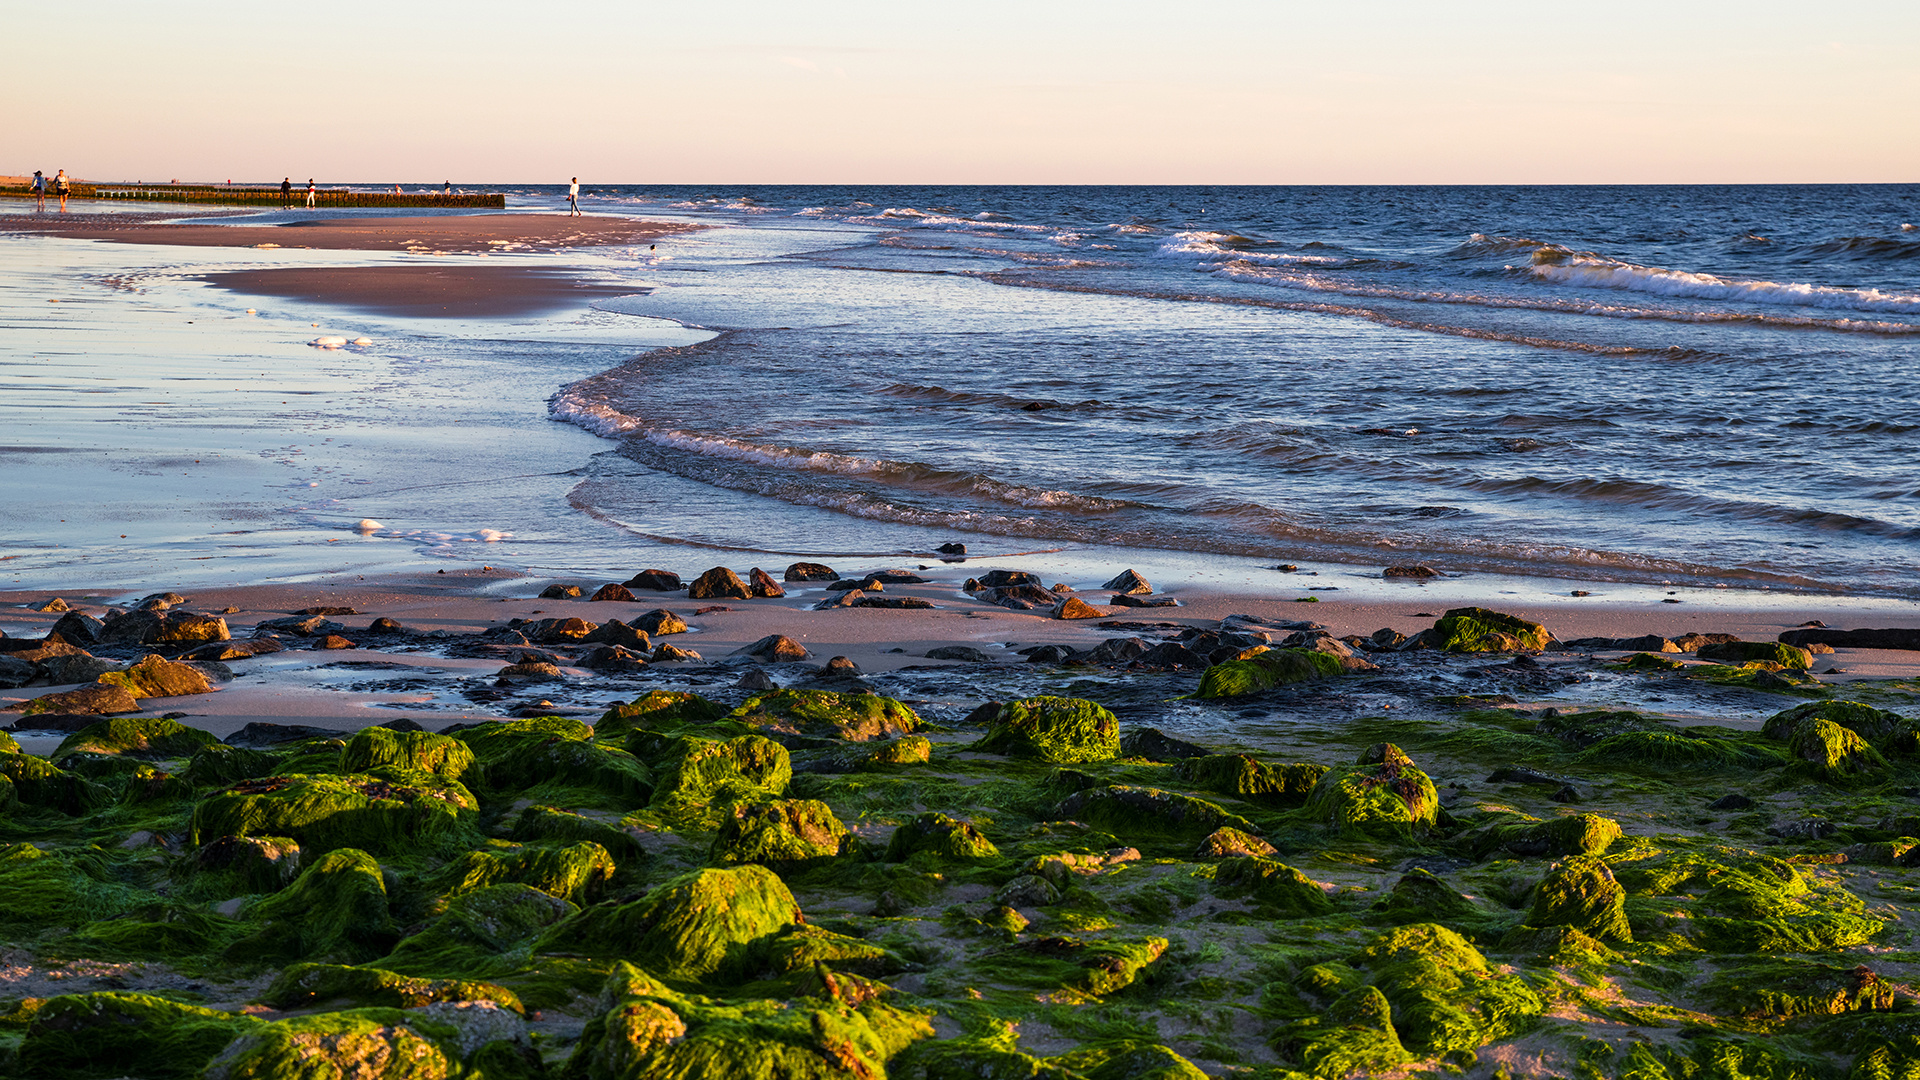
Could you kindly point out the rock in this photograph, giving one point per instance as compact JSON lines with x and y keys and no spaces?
{"x":1001,"y":579}
{"x":810,"y":571}
{"x":332,"y":641}
{"x":615,"y":632}
{"x":1854,"y":639}
{"x":965,"y":653}
{"x":855,"y":585}
{"x":1473,"y":629}
{"x":214,"y":651}
{"x":1831,"y":751}
{"x":939,"y":837}
{"x":1117,"y":650}
{"x":558,"y":631}
{"x":1731,"y":802}
{"x":1058,"y":730}
{"x":656,"y":581}
{"x":1128,"y":812}
{"x":1018,"y":597}
{"x":896,"y":577}
{"x":257,"y":864}
{"x":1276,"y":667}
{"x":154,"y":676}
{"x":17,"y":673}
{"x":1152,"y":744}
{"x":826,"y":714}
{"x":1027,"y":890}
{"x":262,"y":734}
{"x":97,"y":700}
{"x":557,"y":591}
{"x":1128,"y":583}
{"x":1741,"y":652}
{"x":660,"y":622}
{"x":1168,"y":656}
{"x":1578,"y":834}
{"x":1650,"y":643}
{"x":79,"y":628}
{"x":152,"y":628}
{"x":707,"y":926}
{"x":1581,"y":892}
{"x":1123,"y":600}
{"x":1048,"y":654}
{"x":327,"y":812}
{"x":1247,"y":777}
{"x":761,"y":584}
{"x":147,"y":737}
{"x":1692,"y":642}
{"x":1802,"y":829}
{"x":719,"y":583}
{"x":784,"y":835}
{"x":54,"y":604}
{"x":913,"y":603}
{"x":298,"y":626}
{"x":774,"y":649}
{"x":530,"y":671}
{"x":614,"y":593}
{"x":1271,"y":884}
{"x":1227,"y":842}
{"x":671,"y":654}
{"x":1075,"y":608}
{"x":841,"y":667}
{"x":1419,"y":573}
{"x":612,"y":658}
{"x":756,"y":681}
{"x":1383,"y":794}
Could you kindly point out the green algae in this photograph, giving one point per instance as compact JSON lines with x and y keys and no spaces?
{"x":1249,"y":778}
{"x":724,"y":770}
{"x":1474,"y":630}
{"x":148,"y":737}
{"x":1573,"y":834}
{"x":1057,"y":730}
{"x":218,"y":765}
{"x":703,"y":926}
{"x":1786,"y":988}
{"x":785,"y":835}
{"x":1127,"y":1060}
{"x":657,"y":710}
{"x":1388,"y":797}
{"x":352,"y":1044}
{"x":1275,"y":667}
{"x":1692,"y":750}
{"x":855,"y":717}
{"x":1421,"y":896}
{"x":485,"y":933}
{"x":61,"y":888}
{"x":1792,"y":657}
{"x":936,"y":836}
{"x":1138,"y":814}
{"x":1888,"y":731}
{"x":799,"y":948}
{"x":37,"y":782}
{"x":1833,"y":753}
{"x":1581,"y":892}
{"x":1354,"y":1035}
{"x":336,"y":909}
{"x":310,"y":985}
{"x":114,"y":1033}
{"x":578,"y":872}
{"x":392,"y":813}
{"x":1444,"y":995}
{"x":1273,"y":885}
{"x":417,"y":751}
{"x":1741,"y":903}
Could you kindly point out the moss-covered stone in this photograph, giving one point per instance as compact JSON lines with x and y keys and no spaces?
{"x":578,"y":872}
{"x":1445,"y":997}
{"x":1474,"y":629}
{"x":1059,"y":730}
{"x":799,"y":948}
{"x":1275,"y":667}
{"x":1139,"y":813}
{"x":1250,"y":778}
{"x":1888,"y":731}
{"x":218,"y":765}
{"x":1791,"y":657}
{"x":1271,"y":884}
{"x":1581,"y":892}
{"x":1421,"y":896}
{"x":306,"y":986}
{"x":1354,"y":1036}
{"x":1574,"y":834}
{"x":705,"y":926}
{"x":723,"y":770}
{"x":158,"y":677}
{"x":784,"y":835}
{"x":684,"y":1038}
{"x":1691,"y":751}
{"x":148,"y":737}
{"x":1227,"y":841}
{"x":939,"y":837}
{"x":38,"y":782}
{"x":400,"y":812}
{"x":116,"y":1033}
{"x":355,"y":1044}
{"x":657,"y":710}
{"x":906,"y":750}
{"x":416,"y":751}
{"x":43,"y":889}
{"x":1127,"y":1060}
{"x":539,"y":823}
{"x":336,"y":909}
{"x":1388,"y":797}
{"x":1789,"y":988}
{"x":1832,"y":752}
{"x":488,"y":932}
{"x":1745,"y":903}
{"x":857,"y":717}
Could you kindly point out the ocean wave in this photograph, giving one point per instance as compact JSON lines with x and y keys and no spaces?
{"x":897,"y":216}
{"x":1562,"y":267}
{"x":1212,"y":247}
{"x":915,"y":392}
{"x":1649,"y":495}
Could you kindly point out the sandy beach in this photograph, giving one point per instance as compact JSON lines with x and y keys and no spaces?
{"x":453,"y":234}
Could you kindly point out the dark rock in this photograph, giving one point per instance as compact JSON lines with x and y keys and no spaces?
{"x":1075,"y":608}
{"x":1154,"y":745}
{"x":48,"y":648}
{"x":557,"y":591}
{"x":896,"y":577}
{"x":756,"y":680}
{"x":159,"y":601}
{"x":1117,"y":650}
{"x":557,"y":631}
{"x":1731,"y":802}
{"x":1124,"y":600}
{"x":615,"y":632}
{"x":761,"y":584}
{"x":96,"y":700}
{"x":855,"y":585}
{"x":16,"y":673}
{"x":233,"y":650}
{"x":774,"y":649}
{"x":656,"y":581}
{"x":1802,"y":829}
{"x":1567,"y":794}
{"x":660,"y":622}
{"x":260,"y":734}
{"x":810,"y":571}
{"x":528,"y":671}
{"x":1420,"y":573}
{"x":868,"y":600}
{"x":966,"y":653}
{"x":611,"y":658}
{"x":719,"y":583}
{"x":952,"y":549}
{"x":332,"y":641}
{"x":1002,"y":579}
{"x":55,"y":721}
{"x":1018,"y":597}
{"x":69,"y":670}
{"x":1129,"y":583}
{"x":1854,"y":639}
{"x":16,"y":644}
{"x":614,"y":593}
{"x":155,"y":627}
{"x":1168,"y":655}
{"x":1692,"y":642}
{"x":296,"y":625}
{"x":1519,"y":775}
{"x":841,"y":666}
{"x":1651,"y":643}
{"x":671,"y":654}
{"x":1048,"y":654}
{"x":384,"y":625}
{"x":326,"y":611}
{"x":79,"y":628}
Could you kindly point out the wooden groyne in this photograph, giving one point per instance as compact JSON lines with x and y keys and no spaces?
{"x":328,"y":198}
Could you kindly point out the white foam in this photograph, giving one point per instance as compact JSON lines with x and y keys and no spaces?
{"x":328,"y":341}
{"x":491,"y":536}
{"x":1207,"y":249}
{"x":368,"y":525}
{"x":1596,"y":272}
{"x":363,"y":341}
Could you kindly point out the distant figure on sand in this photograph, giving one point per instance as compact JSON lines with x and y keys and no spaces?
{"x":573,"y":197}
{"x":449,"y":189}
{"x":62,"y":188}
{"x":309,"y":192}
{"x":286,"y":192}
{"x":40,"y":189}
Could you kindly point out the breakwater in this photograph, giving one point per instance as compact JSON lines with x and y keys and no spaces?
{"x":327,"y":198}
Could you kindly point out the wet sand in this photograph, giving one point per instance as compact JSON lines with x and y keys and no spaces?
{"x":426,"y":291}
{"x":453,"y":234}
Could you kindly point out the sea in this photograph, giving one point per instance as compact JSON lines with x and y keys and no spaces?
{"x":1691,"y":385}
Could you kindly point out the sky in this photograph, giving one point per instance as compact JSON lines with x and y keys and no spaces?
{"x":992,"y":91}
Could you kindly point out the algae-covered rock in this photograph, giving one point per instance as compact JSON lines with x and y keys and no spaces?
{"x":1354,"y":1036}
{"x":1252,"y":779}
{"x":336,"y":908}
{"x":240,"y":865}
{"x":218,"y":765}
{"x":1138,"y":812}
{"x":1388,"y":796}
{"x":1474,"y":629}
{"x":1575,"y":834}
{"x":355,"y":1044}
{"x":857,"y":717}
{"x":656,"y":710}
{"x":1833,"y":752}
{"x":489,"y":931}
{"x":1059,"y":730}
{"x":556,"y":766}
{"x":1420,"y":896}
{"x":1444,"y":996}
{"x":116,"y":1033}
{"x":1747,"y":903}
{"x":1275,"y":667}
{"x":799,"y":948}
{"x":1786,"y":988}
{"x":42,"y":889}
{"x":940,"y":837}
{"x":784,"y":835}
{"x":37,"y":782}
{"x":576,"y":872}
{"x":1581,"y":892}
{"x":148,"y":737}
{"x":1692,"y":750}
{"x":1889,"y":732}
{"x":1791,"y":657}
{"x":1127,"y":1059}
{"x":717,"y":770}
{"x":906,"y":750}
{"x":675,"y":1038}
{"x":1271,"y":884}
{"x":704,"y":926}
{"x":302,"y":986}
{"x":552,"y":824}
{"x":1227,"y":842}
{"x":399,"y":813}
{"x":158,"y":677}
{"x":418,"y":751}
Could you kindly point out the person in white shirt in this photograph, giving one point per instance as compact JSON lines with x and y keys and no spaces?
{"x":310,"y":192}
{"x":573,"y":197}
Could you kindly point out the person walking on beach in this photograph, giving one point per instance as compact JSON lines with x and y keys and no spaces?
{"x":309,"y":192}
{"x":62,"y":187}
{"x":573,"y":198}
{"x":40,"y":189}
{"x":286,"y":192}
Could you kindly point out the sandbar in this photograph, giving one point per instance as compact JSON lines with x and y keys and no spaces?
{"x":462,"y":234}
{"x":431,"y":291}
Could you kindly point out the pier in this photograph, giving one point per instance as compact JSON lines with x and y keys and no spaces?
{"x":247,"y":195}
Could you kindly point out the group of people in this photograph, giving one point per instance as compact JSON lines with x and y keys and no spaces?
{"x":61,"y":186}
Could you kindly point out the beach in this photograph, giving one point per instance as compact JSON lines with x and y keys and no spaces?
{"x":980,"y":662}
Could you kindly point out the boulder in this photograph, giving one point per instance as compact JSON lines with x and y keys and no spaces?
{"x":78,"y":628}
{"x":1154,"y":745}
{"x":360,"y":1043}
{"x":964,"y":653}
{"x":707,"y":926}
{"x":784,"y":835}
{"x":1229,"y":842}
{"x":671,"y":653}
{"x":148,"y":737}
{"x":417,"y":751}
{"x":557,"y":631}
{"x":1274,"y":667}
{"x":1383,"y":793}
{"x":762,"y":585}
{"x":1249,"y":778}
{"x":154,"y":676}
{"x":774,"y":649}
{"x":1416,"y":573}
{"x":854,"y":717}
{"x":660,"y":622}
{"x":558,"y":591}
{"x":158,"y":627}
{"x":656,"y":581}
{"x":1053,"y":729}
{"x":613,"y":592}
{"x":1001,"y":579}
{"x":810,"y":571}
{"x":1474,"y":629}
{"x":1140,"y":812}
{"x":1791,"y":657}
{"x":96,"y":700}
{"x":659,"y":709}
{"x":215,"y":651}
{"x":1888,"y":731}
{"x":306,"y":986}
{"x":1128,"y":583}
{"x":17,"y":673}
{"x":247,"y":864}
{"x":122,"y":1033}
{"x":336,"y":909}
{"x":1019,"y":597}
{"x":719,"y":583}
{"x":1581,"y":892}
{"x":615,"y":632}
{"x":1124,"y":600}
{"x":400,"y":813}
{"x":719,"y":770}
{"x":940,"y":837}
{"x":1075,"y":608}
{"x":1271,"y":884}
{"x":1905,"y":638}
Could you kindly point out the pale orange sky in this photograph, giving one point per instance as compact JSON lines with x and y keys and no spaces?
{"x":1366,"y":91}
